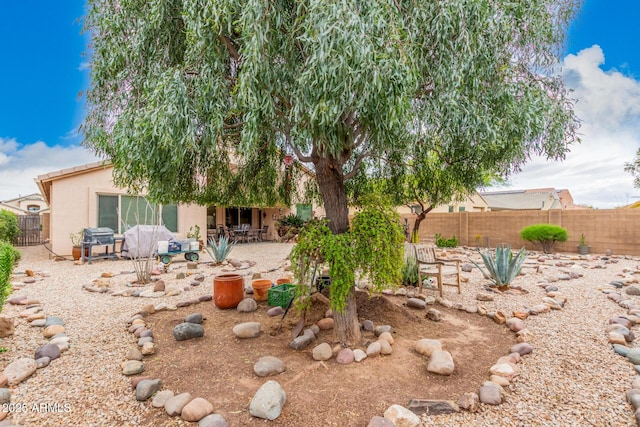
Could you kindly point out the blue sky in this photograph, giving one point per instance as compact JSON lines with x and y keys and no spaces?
{"x":43,"y":71}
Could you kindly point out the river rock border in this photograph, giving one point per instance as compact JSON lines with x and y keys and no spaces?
{"x":619,"y":333}
{"x":491,"y":392}
{"x":53,"y":330}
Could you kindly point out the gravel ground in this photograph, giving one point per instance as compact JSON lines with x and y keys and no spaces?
{"x":572,"y":378}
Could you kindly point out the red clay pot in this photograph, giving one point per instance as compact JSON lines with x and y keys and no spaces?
{"x":228,"y":290}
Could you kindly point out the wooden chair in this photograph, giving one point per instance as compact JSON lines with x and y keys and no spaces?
{"x":431,"y":266}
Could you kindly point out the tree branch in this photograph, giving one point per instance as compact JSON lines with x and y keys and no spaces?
{"x":356,"y":165}
{"x":230,"y":47}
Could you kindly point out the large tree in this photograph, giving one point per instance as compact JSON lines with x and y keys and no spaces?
{"x":358,"y":91}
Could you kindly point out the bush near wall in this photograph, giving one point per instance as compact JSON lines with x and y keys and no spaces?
{"x":9,"y":228}
{"x":545,"y":235}
{"x":8,"y":258}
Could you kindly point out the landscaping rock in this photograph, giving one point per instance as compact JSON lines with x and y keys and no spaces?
{"x":42,"y":362}
{"x":7,"y":327}
{"x":427,"y":346}
{"x":247,"y":305}
{"x":386,"y":336}
{"x":378,"y":421}
{"x":268,"y":401}
{"x":374,"y":349}
{"x":268,"y":365}
{"x":470,"y":402}
{"x":174,"y":405}
{"x":146,"y":388}
{"x":441,"y":363}
{"x":187,"y":331}
{"x":490,"y":393}
{"x":161,"y":398}
{"x":52,"y":351}
{"x":434,"y":315}
{"x":322,"y":352}
{"x":196,"y":409}
{"x":247,"y":330}
{"x":359,"y":355}
{"x":132,"y":367}
{"x":19,"y":370}
{"x":325,"y":324}
{"x":275,"y":311}
{"x":345,"y":356}
{"x":401,"y":416}
{"x":194,"y":318}
{"x":301,"y":342}
{"x":213,"y":420}
{"x":382,"y":328}
{"x":522,"y":348}
{"x":432,"y":407}
{"x":416,"y":303}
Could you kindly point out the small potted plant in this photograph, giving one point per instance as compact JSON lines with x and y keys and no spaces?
{"x":583,"y":247}
{"x":194,"y":233}
{"x":76,"y":241}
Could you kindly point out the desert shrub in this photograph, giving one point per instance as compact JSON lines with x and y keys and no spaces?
{"x":8,"y":257}
{"x":503,"y":267}
{"x":9,"y":229}
{"x":441,"y":242}
{"x":220,"y":250}
{"x":410,"y":271}
{"x":545,"y":235}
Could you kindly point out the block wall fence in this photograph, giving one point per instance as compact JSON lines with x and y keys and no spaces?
{"x":614,"y":229}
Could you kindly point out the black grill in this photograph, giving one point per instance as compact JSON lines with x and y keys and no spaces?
{"x":99,"y":236}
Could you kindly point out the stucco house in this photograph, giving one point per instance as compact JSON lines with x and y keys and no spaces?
{"x":26,"y":205}
{"x":85,"y":197}
{"x":471,"y":203}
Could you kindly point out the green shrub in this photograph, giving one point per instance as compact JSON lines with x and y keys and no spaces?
{"x":8,"y":257}
{"x":545,"y":235}
{"x":410,"y":271}
{"x":441,"y":242}
{"x":9,"y":229}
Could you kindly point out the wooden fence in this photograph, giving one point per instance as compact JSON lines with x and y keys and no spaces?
{"x":30,"y":230}
{"x":617,"y":230}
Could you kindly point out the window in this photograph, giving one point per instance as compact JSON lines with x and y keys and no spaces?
{"x":33,"y":208}
{"x":461,"y":209}
{"x":122,"y":212}
{"x":450,"y":208}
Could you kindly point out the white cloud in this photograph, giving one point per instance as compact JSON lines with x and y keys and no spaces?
{"x":609,"y":109}
{"x":21,"y":163}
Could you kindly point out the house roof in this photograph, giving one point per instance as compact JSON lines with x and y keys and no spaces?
{"x":522,"y":200}
{"x":44,"y":181}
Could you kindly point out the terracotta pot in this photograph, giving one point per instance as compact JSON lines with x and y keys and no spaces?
{"x":228,"y":290}
{"x":283,"y":280}
{"x":261,"y":289}
{"x":76,"y":252}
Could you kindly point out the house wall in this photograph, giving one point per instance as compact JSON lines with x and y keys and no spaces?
{"x":74,"y":206}
{"x":615,"y":229}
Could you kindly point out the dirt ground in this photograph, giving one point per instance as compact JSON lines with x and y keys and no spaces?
{"x":219,"y":367}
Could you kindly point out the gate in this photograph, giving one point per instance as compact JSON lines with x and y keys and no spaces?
{"x":30,"y":230}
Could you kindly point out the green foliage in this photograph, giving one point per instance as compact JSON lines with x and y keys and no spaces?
{"x":502,"y":269}
{"x":373,"y":248}
{"x":583,"y":240}
{"x":441,"y":242}
{"x":291,"y":220}
{"x":378,"y":237}
{"x":9,"y":229}
{"x":219,"y":251}
{"x":545,"y":235}
{"x":410,"y":271}
{"x":8,"y":257}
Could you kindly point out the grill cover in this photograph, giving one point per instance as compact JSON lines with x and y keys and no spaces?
{"x":98,"y":236}
{"x":141,"y":241}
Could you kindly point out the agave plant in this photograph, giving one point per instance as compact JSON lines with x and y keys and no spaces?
{"x":220,"y":250}
{"x":502,"y":269}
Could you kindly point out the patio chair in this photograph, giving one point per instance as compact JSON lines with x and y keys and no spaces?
{"x":431,"y":266}
{"x":262,"y":233}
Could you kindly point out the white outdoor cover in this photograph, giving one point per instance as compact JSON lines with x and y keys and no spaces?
{"x":141,"y":241}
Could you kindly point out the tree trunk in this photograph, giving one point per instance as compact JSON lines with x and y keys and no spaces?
{"x":416,"y":225}
{"x":330,"y":178}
